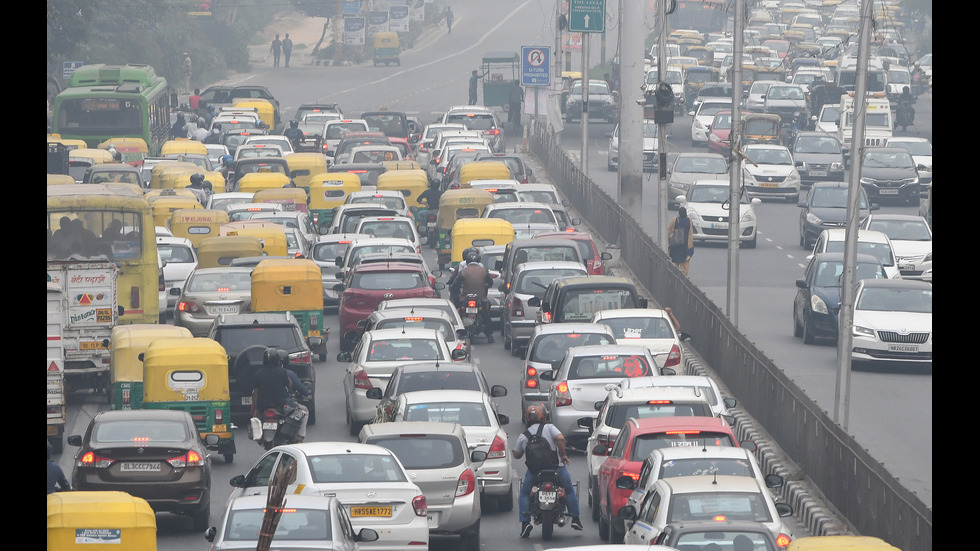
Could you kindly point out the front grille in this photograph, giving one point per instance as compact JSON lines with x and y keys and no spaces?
{"x":911,"y":338}
{"x":773,"y":190}
{"x":770,"y":179}
{"x":815,"y":166}
{"x":873,"y":142}
{"x":715,"y":218}
{"x":833,"y":224}
{"x":714,"y":231}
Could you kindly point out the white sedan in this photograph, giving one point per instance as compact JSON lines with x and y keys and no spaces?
{"x":892,"y":322}
{"x":708,"y":208}
{"x":369,"y":481}
{"x":650,"y":327}
{"x":768,"y":171}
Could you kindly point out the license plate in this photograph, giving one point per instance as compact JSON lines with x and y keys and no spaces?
{"x":246,"y":400}
{"x":911,"y":348}
{"x":219,"y":428}
{"x":90,"y":345}
{"x":818,"y":173}
{"x":906,"y":267}
{"x":472,"y":310}
{"x":547,"y":497}
{"x":214,"y":310}
{"x":374,"y":511}
{"x":888,"y":191}
{"x":140,"y":467}
{"x":768,"y":184}
{"x":270,"y":426}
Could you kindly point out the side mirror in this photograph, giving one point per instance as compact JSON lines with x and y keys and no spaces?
{"x":175,"y":291}
{"x":667,"y":371}
{"x":366,"y":534}
{"x":374,"y":393}
{"x":315,"y":342}
{"x":730,"y":419}
{"x":497,"y":391}
{"x":339,"y":275}
{"x":605,"y":256}
{"x":237,"y":481}
{"x":534,"y":301}
{"x":600,"y":450}
{"x":478,"y":456}
{"x":585,"y":423}
{"x":773,"y":481}
{"x":458,"y":354}
{"x":749,"y":445}
{"x":547,"y":375}
{"x":344,"y":357}
{"x":75,"y":440}
{"x":598,"y":405}
{"x":875,"y":206}
{"x":339,"y":261}
{"x":503,"y":419}
{"x":439,"y":286}
{"x":784,"y":510}
{"x":729,"y":402}
{"x":685,"y":337}
{"x":437,"y":273}
{"x":339,"y":287}
{"x":625,"y":482}
{"x":499,"y":265}
{"x":643,"y":302}
{"x":361,"y":323}
{"x":576,"y":221}
{"x":210,"y":533}
{"x":502,"y":287}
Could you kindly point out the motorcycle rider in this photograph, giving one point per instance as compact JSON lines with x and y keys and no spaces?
{"x":200,"y":187}
{"x":294,"y":134}
{"x":905,"y":103}
{"x":474,"y":278}
{"x":270,"y":385}
{"x":533,"y":416}
{"x":295,"y":385}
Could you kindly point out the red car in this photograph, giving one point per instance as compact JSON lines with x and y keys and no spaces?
{"x":718,"y":133}
{"x":593,"y":258}
{"x":369,"y":284}
{"x":635,"y":442}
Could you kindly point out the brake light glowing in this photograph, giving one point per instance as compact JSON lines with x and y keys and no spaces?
{"x":532,"y":378}
{"x":683,"y":432}
{"x":189,"y":459}
{"x":492,"y":132}
{"x":466,"y":483}
{"x":187,"y":306}
{"x":652,"y":402}
{"x":416,"y":318}
{"x":563,"y":398}
{"x":498,"y":450}
{"x":609,"y":358}
{"x":719,"y":518}
{"x":89,"y":459}
{"x":782,"y":540}
{"x":634,"y":476}
{"x":361,"y":380}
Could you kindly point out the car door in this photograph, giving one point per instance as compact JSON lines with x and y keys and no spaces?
{"x":643,"y":530}
{"x":803,"y":293}
{"x":610,"y":468}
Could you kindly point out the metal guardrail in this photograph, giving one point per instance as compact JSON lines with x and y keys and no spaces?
{"x":853,"y":482}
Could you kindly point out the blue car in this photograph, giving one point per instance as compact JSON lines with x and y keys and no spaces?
{"x":817,"y":303}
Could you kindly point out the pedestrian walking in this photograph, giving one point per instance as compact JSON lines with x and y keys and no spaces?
{"x":680,"y":240}
{"x":514,"y":99}
{"x":287,"y":48}
{"x":186,"y":73}
{"x":276,"y":50}
{"x":474,"y":82}
{"x":449,"y":19}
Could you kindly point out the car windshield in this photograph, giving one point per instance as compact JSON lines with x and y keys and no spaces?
{"x":595,"y":87}
{"x":620,"y":412}
{"x":701,"y":165}
{"x":390,"y":350}
{"x":708,"y":194}
{"x":437,"y":380}
{"x":236,"y":339}
{"x":920,"y":149}
{"x":878,"y":120}
{"x":722,"y":121}
{"x":539,"y":196}
{"x":551,"y":348}
{"x":709,"y":109}
{"x":219,"y":282}
{"x":899,"y":77}
{"x":354,"y":468}
{"x":725,"y":539}
{"x":817,"y":144}
{"x":761,"y":127}
{"x":525,"y":215}
{"x":583,"y":304}
{"x":646,"y":443}
{"x":375,"y":249}
{"x":608,"y":366}
{"x":833,"y":197}
{"x":246,"y":152}
{"x":900,"y":158}
{"x":138,"y":432}
{"x":559,"y":253}
{"x":473,"y":121}
{"x":699,"y":76}
{"x":417,"y":322}
{"x":221,"y":203}
{"x":902,"y":230}
{"x":785,"y":92}
{"x":388,"y":281}
{"x":395,"y":203}
{"x":336,"y":130}
{"x":829,"y":274}
{"x":644,"y":327}
{"x":830,"y":114}
{"x":311,"y":128}
{"x":178,"y":254}
{"x":726,"y":466}
{"x":881,"y":251}
{"x":328,"y":252}
{"x":883,"y":299}
{"x":769,"y":156}
{"x":467,"y":414}
{"x":293,"y":525}
{"x":421,"y":451}
{"x":536,"y":282}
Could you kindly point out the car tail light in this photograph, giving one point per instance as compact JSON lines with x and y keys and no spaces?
{"x":471,"y":304}
{"x":189,"y":459}
{"x":161,"y":283}
{"x":545,"y":317}
{"x":532,"y":378}
{"x":361,"y":380}
{"x":218,"y":416}
{"x":498,"y":450}
{"x":301,"y":358}
{"x":631,"y":474}
{"x":517,"y":308}
{"x":783,"y":540}
{"x":420,"y":506}
{"x":674,"y":358}
{"x":563,"y":398}
{"x":466,"y":483}
{"x":188,"y":306}
{"x":492,"y":132}
{"x":597,"y":266}
{"x":89,"y":459}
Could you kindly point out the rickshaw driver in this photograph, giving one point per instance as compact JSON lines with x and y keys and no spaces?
{"x":270,"y":387}
{"x":475,"y":279}
{"x":295,"y":134}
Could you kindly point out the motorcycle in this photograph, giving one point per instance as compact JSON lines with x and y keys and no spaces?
{"x":904,"y":115}
{"x":548,"y":502}
{"x":791,"y":129}
{"x":471,"y":312}
{"x":276,"y":426}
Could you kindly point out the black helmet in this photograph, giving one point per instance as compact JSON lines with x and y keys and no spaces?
{"x":905,"y":89}
{"x":197,"y":179}
{"x":471,"y":255}
{"x":270,"y":358}
{"x":283,"y":357}
{"x":294,"y":123}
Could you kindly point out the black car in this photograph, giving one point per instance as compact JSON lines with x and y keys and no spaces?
{"x":245,"y":337}
{"x":154,"y":454}
{"x":603,"y":102}
{"x":221,"y":96}
{"x":890,"y":173}
{"x":817,"y":302}
{"x":825,"y":206}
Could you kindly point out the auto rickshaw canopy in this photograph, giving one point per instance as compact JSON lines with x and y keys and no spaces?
{"x":183,"y":145}
{"x":483,"y":170}
{"x":291,"y":198}
{"x":127,"y":342}
{"x":271,"y":236}
{"x":158,"y":170}
{"x":165,"y":205}
{"x":197,"y":224}
{"x":185,"y":370}
{"x":479,"y":232}
{"x":257,"y":181}
{"x":411,"y":184}
{"x":280,"y":285}
{"x":117,"y":518}
{"x":59,"y":179}
{"x":304,"y":166}
{"x":455,"y":204}
{"x":215,"y":252}
{"x":263,"y":107}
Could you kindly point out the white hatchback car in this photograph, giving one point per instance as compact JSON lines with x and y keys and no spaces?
{"x":649,"y":327}
{"x":707,"y":207}
{"x":391,"y":227}
{"x":768,"y":171}
{"x":871,"y":242}
{"x":179,"y":260}
{"x":706,"y":111}
{"x":369,"y":481}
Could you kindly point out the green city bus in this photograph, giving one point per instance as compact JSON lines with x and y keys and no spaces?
{"x":113,"y":101}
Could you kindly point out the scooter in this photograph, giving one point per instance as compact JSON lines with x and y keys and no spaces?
{"x":548,"y":503}
{"x":275,"y":426}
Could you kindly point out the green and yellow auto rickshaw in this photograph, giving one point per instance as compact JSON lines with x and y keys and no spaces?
{"x":454,"y":205}
{"x":215,"y":252}
{"x":329,"y":191}
{"x":127,"y":342}
{"x":293,"y":285}
{"x":191,"y":374}
{"x":386,"y":48}
{"x":479,"y":232}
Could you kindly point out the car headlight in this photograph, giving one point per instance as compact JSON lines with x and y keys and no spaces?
{"x":608,"y":102}
{"x":749,"y":216}
{"x":813,"y":219}
{"x":698,"y":125}
{"x":747,"y":176}
{"x":836,"y":166}
{"x":713,"y":138}
{"x":864,"y":331}
{"x":693,"y":215}
{"x":914,"y":180}
{"x":818,"y":305}
{"x":928,"y":257}
{"x":866,"y":181}
{"x":793,"y":177}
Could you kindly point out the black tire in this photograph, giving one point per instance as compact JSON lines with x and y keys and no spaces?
{"x":547,"y":525}
{"x":751,"y":244}
{"x":322,"y":357}
{"x":507,"y":344}
{"x":312,"y":407}
{"x":201,"y":518}
{"x":354,"y":428}
{"x":797,"y":328}
{"x":471,"y":540}
{"x":506,"y":503}
{"x":603,"y":526}
{"x":615,"y":536}
{"x":229,"y":457}
{"x":808,"y":337}
{"x":593,"y":500}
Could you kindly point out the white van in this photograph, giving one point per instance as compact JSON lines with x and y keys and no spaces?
{"x":877,"y":122}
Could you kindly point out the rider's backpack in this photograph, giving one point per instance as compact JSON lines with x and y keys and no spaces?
{"x":538,"y":455}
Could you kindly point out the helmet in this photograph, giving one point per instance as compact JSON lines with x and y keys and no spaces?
{"x":197,"y":179}
{"x":283,"y":357}
{"x":227,"y":160}
{"x":471,"y":255}
{"x":270,"y":358}
{"x":534,"y":414}
{"x":905,"y":89}
{"x":294,"y":123}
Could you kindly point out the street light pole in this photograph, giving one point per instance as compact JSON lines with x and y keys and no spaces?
{"x":735,"y":189}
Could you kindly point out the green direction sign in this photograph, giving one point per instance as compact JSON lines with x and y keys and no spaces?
{"x":587,"y":16}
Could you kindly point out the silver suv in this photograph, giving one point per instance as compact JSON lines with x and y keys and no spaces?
{"x":436,"y":457}
{"x":531,"y":279}
{"x":477,"y":117}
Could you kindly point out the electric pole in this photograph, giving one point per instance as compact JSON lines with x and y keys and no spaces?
{"x":735,"y":164}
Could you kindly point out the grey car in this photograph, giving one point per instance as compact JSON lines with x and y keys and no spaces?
{"x":689,"y":167}
{"x":818,"y":157}
{"x":210,"y":292}
{"x":824,"y":207}
{"x":324,"y":252}
{"x":785,"y":100}
{"x":602,"y":102}
{"x":530,"y":279}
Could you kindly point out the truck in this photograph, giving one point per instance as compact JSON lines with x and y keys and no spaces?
{"x":56,"y":370}
{"x":89,"y":311}
{"x":877,"y":122}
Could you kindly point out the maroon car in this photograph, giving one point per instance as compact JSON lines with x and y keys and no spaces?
{"x":369,"y":284}
{"x":721,"y":127}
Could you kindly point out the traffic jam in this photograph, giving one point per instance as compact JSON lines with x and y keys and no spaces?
{"x":483,"y":355}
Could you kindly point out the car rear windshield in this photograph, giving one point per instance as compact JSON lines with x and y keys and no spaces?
{"x":396,"y":203}
{"x":619,"y":413}
{"x":560,"y":253}
{"x":294,"y":524}
{"x":705,"y":506}
{"x":728,"y":466}
{"x":895,"y":300}
{"x":236,"y":339}
{"x":139,"y":430}
{"x":328,"y":252}
{"x":215,"y":283}
{"x":551,"y":348}
{"x":355,"y":468}
{"x":473,"y":121}
{"x":640,"y":328}
{"x":423,"y":451}
{"x":525,"y":215}
{"x":646,"y":443}
{"x":387,"y":228}
{"x":540,"y":196}
{"x":536,"y":282}
{"x":389,"y":350}
{"x":437,"y":380}
{"x":378,"y":281}
{"x":175,"y":253}
{"x":723,"y":538}
{"x":608,"y":366}
{"x":415,"y":322}
{"x":467,"y":414}
{"x":336,"y":130}
{"x":581,"y":304}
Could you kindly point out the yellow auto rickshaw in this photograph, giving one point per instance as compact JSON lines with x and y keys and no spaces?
{"x":386,"y":48}
{"x":411,"y":184}
{"x":183,"y":179}
{"x":59,"y":179}
{"x":293,"y":285}
{"x":164,"y":205}
{"x":69,"y":143}
{"x":479,"y":232}
{"x":329,"y":191}
{"x":197,"y":224}
{"x":704,"y":54}
{"x":456,"y":204}
{"x":263,"y":107}
{"x":99,"y":521}
{"x":257,"y":181}
{"x":272,"y":236}
{"x":158,"y":170}
{"x":304,"y":166}
{"x":191,"y":374}
{"x":151,"y":193}
{"x":125,"y":367}
{"x":215,"y":252}
{"x":183,"y":145}
{"x":133,"y":150}
{"x":762,"y":128}
{"x":483,"y":170}
{"x":291,"y":198}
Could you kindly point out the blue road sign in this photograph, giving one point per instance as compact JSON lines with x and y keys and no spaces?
{"x":536,"y":65}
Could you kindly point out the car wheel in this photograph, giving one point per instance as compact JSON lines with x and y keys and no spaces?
{"x":750,"y":244}
{"x":797,"y":328}
{"x":201,"y":518}
{"x":615,"y":536}
{"x":471,"y":540}
{"x":808,"y":337}
{"x":229,"y":457}
{"x":603,"y":527}
{"x":506,"y":503}
{"x":593,"y":500}
{"x":312,"y":407}
{"x":507,"y":343}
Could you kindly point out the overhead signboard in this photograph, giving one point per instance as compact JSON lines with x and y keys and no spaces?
{"x":536,"y":65}
{"x":587,"y":16}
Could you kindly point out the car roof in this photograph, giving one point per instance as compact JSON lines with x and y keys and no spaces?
{"x":394,"y":266}
{"x":454,"y":395}
{"x":684,"y":452}
{"x":456,"y":367}
{"x":608,"y":349}
{"x":401,"y":312}
{"x":642,"y":393}
{"x":839,"y":234}
{"x":335,"y":237}
{"x":548,"y":264}
{"x":141,"y":414}
{"x":564,"y":328}
{"x":658,"y":424}
{"x":409,"y":333}
{"x":299,"y":501}
{"x":896,"y":216}
{"x":162,"y":239}
{"x":632,"y":313}
{"x":719,"y":483}
{"x":839,"y":257}
{"x":414,"y":427}
{"x":897,"y":283}
{"x":335,"y":448}
{"x":594,"y":280}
